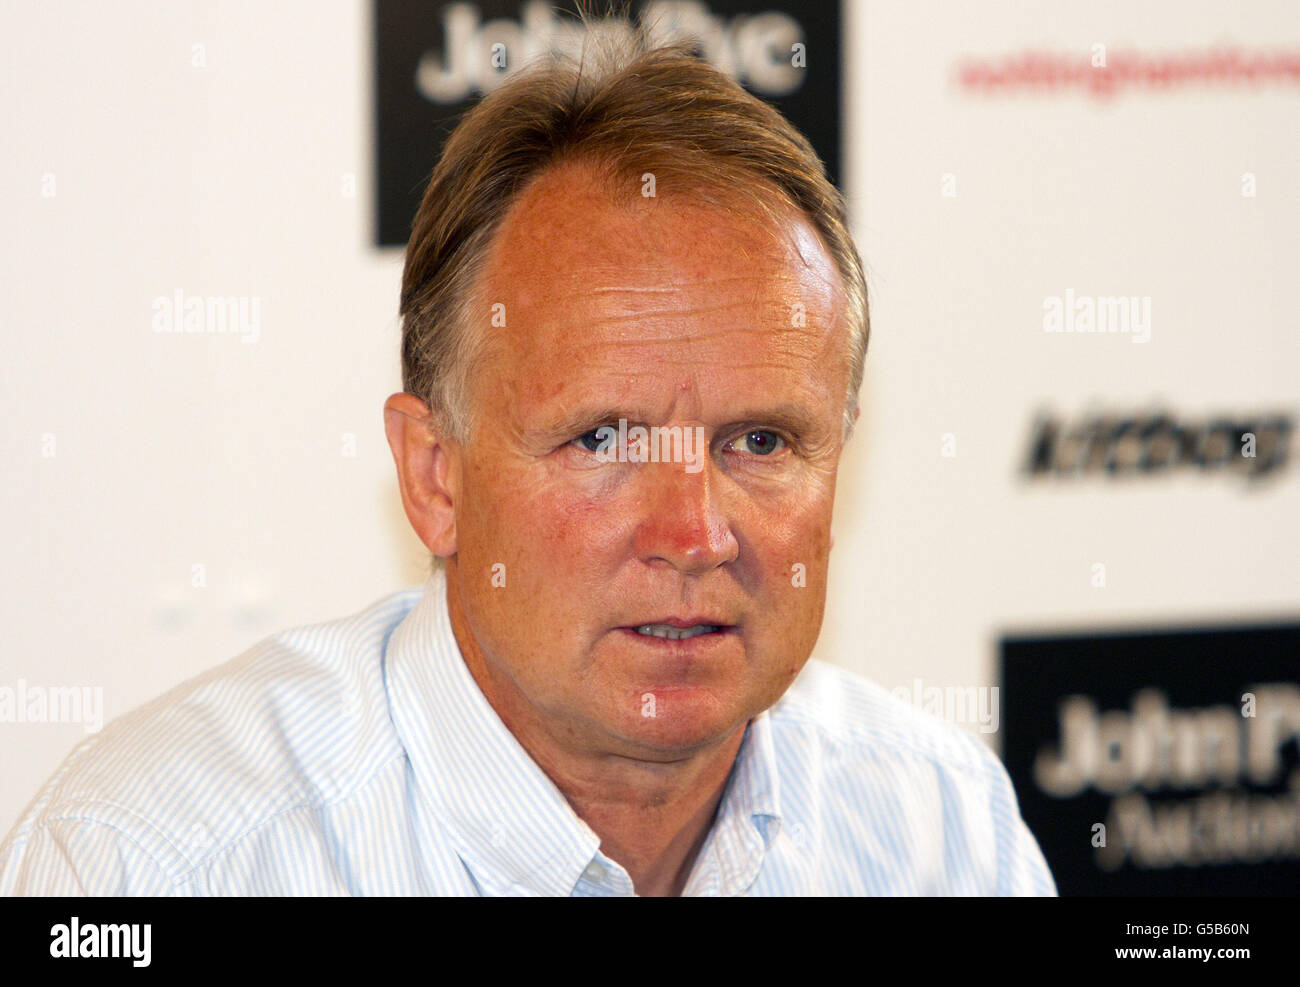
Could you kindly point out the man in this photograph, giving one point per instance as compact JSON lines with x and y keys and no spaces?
{"x":634,"y":332}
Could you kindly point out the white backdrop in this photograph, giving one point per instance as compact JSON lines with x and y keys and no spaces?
{"x":172,"y":498}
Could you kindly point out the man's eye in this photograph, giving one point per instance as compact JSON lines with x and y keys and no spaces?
{"x":597,"y":439}
{"x":759,"y":442}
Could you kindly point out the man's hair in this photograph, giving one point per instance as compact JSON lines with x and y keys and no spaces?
{"x":629,"y":108}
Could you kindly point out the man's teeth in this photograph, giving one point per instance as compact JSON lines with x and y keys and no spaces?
{"x":675,"y":633}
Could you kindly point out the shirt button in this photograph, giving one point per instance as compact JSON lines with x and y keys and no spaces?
{"x":594,"y":873}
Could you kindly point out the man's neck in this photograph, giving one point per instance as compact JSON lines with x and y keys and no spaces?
{"x":652,"y":816}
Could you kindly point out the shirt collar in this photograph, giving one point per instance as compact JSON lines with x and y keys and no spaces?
{"x":747,"y":821}
{"x":510,"y":824}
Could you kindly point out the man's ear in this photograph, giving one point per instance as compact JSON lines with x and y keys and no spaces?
{"x":428,"y":471}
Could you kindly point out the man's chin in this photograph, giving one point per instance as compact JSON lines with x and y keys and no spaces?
{"x":679,"y":721}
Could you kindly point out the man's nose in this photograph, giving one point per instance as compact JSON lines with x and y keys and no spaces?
{"x":683,"y":523}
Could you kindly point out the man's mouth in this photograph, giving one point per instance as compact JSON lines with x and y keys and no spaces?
{"x":676,"y":633}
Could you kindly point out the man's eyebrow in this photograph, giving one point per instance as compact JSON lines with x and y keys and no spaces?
{"x":790,"y":417}
{"x":578,"y":421}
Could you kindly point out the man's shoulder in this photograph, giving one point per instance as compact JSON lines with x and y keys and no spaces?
{"x":851,"y":719}
{"x":907,"y":802}
{"x":299,"y":719}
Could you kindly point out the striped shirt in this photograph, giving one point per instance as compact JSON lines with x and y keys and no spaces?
{"x":359,"y":757}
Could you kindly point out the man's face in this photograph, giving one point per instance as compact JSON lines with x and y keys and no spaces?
{"x":665,"y":314}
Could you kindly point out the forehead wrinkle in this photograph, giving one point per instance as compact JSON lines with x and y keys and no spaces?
{"x":663,"y":271}
{"x":763,"y":291}
{"x":668,"y":313}
{"x":667,"y":282}
{"x":563,"y":298}
{"x":783,"y":372}
{"x":789,"y":348}
{"x":664,"y":281}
